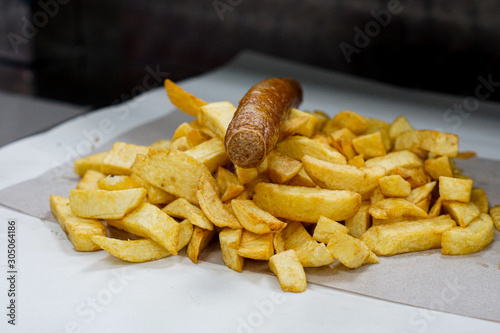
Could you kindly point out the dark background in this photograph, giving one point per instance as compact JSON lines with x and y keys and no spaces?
{"x":95,"y":52}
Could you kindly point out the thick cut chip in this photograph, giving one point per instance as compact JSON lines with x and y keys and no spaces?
{"x":181,"y":131}
{"x":342,"y":177}
{"x":342,"y":141}
{"x":180,"y":144}
{"x":90,"y":180}
{"x":463,"y":213}
{"x":120,"y":158}
{"x":439,"y":143}
{"x":395,"y":208}
{"x":310,"y":252}
{"x":349,"y":250}
{"x":398,"y":126}
{"x":309,"y":128}
{"x":420,"y":193}
{"x":436,"y":208}
{"x":357,"y":161}
{"x":161,"y":144}
{"x":149,"y":221}
{"x":78,"y":230}
{"x":470,"y":239}
{"x":228,"y":184}
{"x":156,"y":195}
{"x":229,"y":240}
{"x":279,"y":241}
{"x":407,"y":236}
{"x":355,"y":122}
{"x":255,"y":219}
{"x":117,"y":182}
{"x":216,"y":117}
{"x":360,"y":222}
{"x":301,"y":179}
{"x":438,"y":166}
{"x":211,"y":153}
{"x":306,"y":204}
{"x":479,"y":197}
{"x":173,"y":171}
{"x":370,"y":145}
{"x":389,"y":162}
{"x":185,"y":101}
{"x":299,"y":146}
{"x":212,"y":205}
{"x":91,"y":162}
{"x":281,"y":168}
{"x":181,"y":208}
{"x":102,"y":204}
{"x":415,"y":176}
{"x":292,"y":126}
{"x":256,"y":246}
{"x":455,"y":189}
{"x":394,"y":186}
{"x":199,"y":241}
{"x":381,"y":127}
{"x":495,"y":216}
{"x":325,"y":227}
{"x":290,"y":273}
{"x":142,"y":250}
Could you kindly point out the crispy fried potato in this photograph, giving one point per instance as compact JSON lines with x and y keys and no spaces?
{"x":181,"y":208}
{"x":90,"y":180}
{"x":161,"y":144}
{"x":310,"y":252}
{"x":149,"y":221}
{"x":156,"y":195}
{"x":78,"y":230}
{"x":342,"y":141}
{"x":256,"y":246}
{"x":181,"y":131}
{"x":92,"y":162}
{"x":395,"y":208}
{"x":228,"y":184}
{"x":415,"y":176}
{"x":142,"y":250}
{"x":254,"y":219}
{"x":436,"y":208}
{"x":325,"y":227}
{"x":211,"y":153}
{"x":470,"y":239}
{"x":301,"y":179}
{"x":455,"y":189}
{"x":180,"y":144}
{"x":479,"y":197}
{"x":216,"y":117}
{"x":212,"y":205}
{"x":199,"y":241}
{"x":117,"y":182}
{"x":290,"y":273}
{"x":439,"y":143}
{"x":398,"y":126}
{"x":394,"y":186}
{"x":306,"y":204}
{"x":102,"y":204}
{"x":463,"y":213}
{"x":438,"y":166}
{"x":349,"y":250}
{"x":420,"y":193}
{"x":298,"y":146}
{"x":120,"y":158}
{"x":408,"y":236}
{"x":281,"y":168}
{"x":351,"y":120}
{"x":495,"y":216}
{"x":171,"y":170}
{"x":392,"y":160}
{"x":229,"y":240}
{"x":342,"y":177}
{"x":292,"y":126}
{"x":185,"y":101}
{"x":360,"y":222}
{"x":370,"y":145}
{"x":357,"y":161}
{"x":310,"y":127}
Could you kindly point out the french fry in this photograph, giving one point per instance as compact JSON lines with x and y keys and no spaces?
{"x":92,"y":162}
{"x":117,"y":182}
{"x":254,"y":219}
{"x":407,"y":236}
{"x":415,"y":176}
{"x":420,"y":193}
{"x":439,"y":143}
{"x":156,"y":195}
{"x":495,"y":216}
{"x":306,"y":204}
{"x":290,"y":273}
{"x":216,"y":117}
{"x":228,"y":184}
{"x":78,"y":230}
{"x":479,"y":197}
{"x":301,"y":179}
{"x":102,"y":204}
{"x":395,"y":208}
{"x":199,"y":241}
{"x":398,"y":126}
{"x":90,"y":180}
{"x":470,"y":239}
{"x":394,"y":186}
{"x":292,"y":126}
{"x":455,"y":189}
{"x":310,"y":127}
{"x":212,"y":206}
{"x":438,"y":166}
{"x":360,"y":222}
{"x":229,"y":240}
{"x":142,"y":250}
{"x":463,"y":213}
{"x":161,"y":144}
{"x":298,"y":146}
{"x":181,"y":131}
{"x":282,"y":168}
{"x":350,"y":120}
{"x":211,"y":153}
{"x":370,"y":145}
{"x":256,"y":246}
{"x":120,"y":158}
{"x":186,"y":102}
{"x":325,"y":227}
{"x":181,"y":208}
{"x":348,"y":250}
{"x":392,"y":160}
{"x":149,"y":221}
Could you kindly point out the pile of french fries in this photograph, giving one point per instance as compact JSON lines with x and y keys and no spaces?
{"x":348,"y":188}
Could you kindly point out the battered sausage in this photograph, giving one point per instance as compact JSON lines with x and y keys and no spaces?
{"x":254,"y":129}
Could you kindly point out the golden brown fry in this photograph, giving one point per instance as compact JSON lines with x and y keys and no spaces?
{"x":92,"y":162}
{"x":229,"y":240}
{"x":199,"y":241}
{"x":185,"y":101}
{"x":254,"y":219}
{"x":256,"y":246}
{"x":455,"y":189}
{"x":395,"y":208}
{"x":90,"y":180}
{"x":228,"y":183}
{"x":181,"y":208}
{"x":470,"y":239}
{"x":120,"y":158}
{"x":281,"y":168}
{"x":325,"y":227}
{"x":290,"y":273}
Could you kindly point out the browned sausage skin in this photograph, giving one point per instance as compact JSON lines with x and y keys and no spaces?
{"x":254,"y":129}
